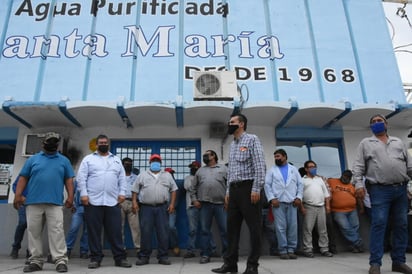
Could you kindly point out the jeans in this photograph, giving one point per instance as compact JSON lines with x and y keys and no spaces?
{"x":269,"y":231}
{"x":193,"y":218}
{"x":76,"y":223}
{"x":20,"y":228}
{"x":348,"y":223}
{"x":207,"y":211}
{"x":286,"y":225}
{"x":154,"y":219}
{"x":173,"y":236}
{"x":388,"y":201}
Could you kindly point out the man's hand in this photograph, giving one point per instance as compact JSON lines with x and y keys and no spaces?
{"x":226,"y":201}
{"x":68,"y":203}
{"x":135,"y":207}
{"x":275,"y":203}
{"x":254,"y":197}
{"x":197,"y":204}
{"x":360,"y":193}
{"x":18,"y":201}
{"x":297,"y":202}
{"x":121,"y":199}
{"x":171,"y":209}
{"x":84,"y":200}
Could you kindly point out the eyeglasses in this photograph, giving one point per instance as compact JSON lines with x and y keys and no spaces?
{"x":379,"y":120}
{"x":311,"y":167}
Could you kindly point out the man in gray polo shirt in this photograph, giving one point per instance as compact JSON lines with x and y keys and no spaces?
{"x":154,"y":195}
{"x":209,"y":190}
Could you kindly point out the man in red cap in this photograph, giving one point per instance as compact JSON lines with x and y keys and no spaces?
{"x":154,"y":195}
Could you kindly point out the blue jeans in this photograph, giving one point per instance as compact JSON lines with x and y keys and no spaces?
{"x":348,"y":223}
{"x":193,"y":218}
{"x":286,"y":226}
{"x":388,"y":201}
{"x":154,"y":219}
{"x":76,"y":223}
{"x":207,"y":211}
{"x":20,"y":228}
{"x":173,"y":236}
{"x":269,"y":231}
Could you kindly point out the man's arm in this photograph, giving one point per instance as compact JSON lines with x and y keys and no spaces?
{"x":171,"y":207}
{"x":70,"y":192}
{"x":19,"y":199}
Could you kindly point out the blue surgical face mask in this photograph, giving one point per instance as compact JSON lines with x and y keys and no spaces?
{"x":155,"y":166}
{"x":313,"y":171}
{"x":378,"y":127}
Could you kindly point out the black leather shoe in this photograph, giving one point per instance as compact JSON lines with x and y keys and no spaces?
{"x":142,"y":261}
{"x":225,"y":268}
{"x":402,"y":268}
{"x":164,"y":262}
{"x":93,"y":265}
{"x":122,"y":263}
{"x":251,"y":270}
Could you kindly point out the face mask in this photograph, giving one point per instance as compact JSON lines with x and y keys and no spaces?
{"x":128,"y":168}
{"x":206,"y":159}
{"x":155,"y":166}
{"x":232,"y":129}
{"x":278,"y":162}
{"x":193,"y":171}
{"x":313,"y":171}
{"x":378,"y":127}
{"x":50,"y":147}
{"x":103,"y":148}
{"x":345,"y":180}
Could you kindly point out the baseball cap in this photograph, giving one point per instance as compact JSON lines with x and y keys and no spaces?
{"x":155,"y":156}
{"x":194,"y":164}
{"x":170,"y":170}
{"x":51,"y":136}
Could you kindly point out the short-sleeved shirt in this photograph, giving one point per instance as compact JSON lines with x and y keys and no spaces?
{"x":209,"y":184}
{"x":343,"y":196}
{"x":154,"y":188}
{"x":47,"y":174}
{"x":314,"y":191}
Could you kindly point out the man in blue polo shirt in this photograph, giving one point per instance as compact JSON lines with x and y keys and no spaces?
{"x":45,"y":175}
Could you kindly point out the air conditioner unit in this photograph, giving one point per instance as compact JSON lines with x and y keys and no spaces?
{"x":33,"y":143}
{"x":214,"y":85}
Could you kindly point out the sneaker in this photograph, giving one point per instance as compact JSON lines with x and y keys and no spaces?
{"x":308,"y":254}
{"x":284,"y":256}
{"x":189,"y":255}
{"x":402,"y":268}
{"x":14,"y":254}
{"x":375,"y":269}
{"x":204,"y":260}
{"x":326,"y":254}
{"x":142,"y":261}
{"x":31,"y":268}
{"x":61,"y":268}
{"x":93,"y":265}
{"x":292,"y":256}
{"x":164,"y":262}
{"x":122,"y":263}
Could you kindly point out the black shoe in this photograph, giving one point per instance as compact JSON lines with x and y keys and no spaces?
{"x":204,"y":260}
{"x":225,"y":268}
{"x":142,"y":261}
{"x":84,"y":256}
{"x":123,"y":263}
{"x":308,"y":254}
{"x":50,"y":259}
{"x":14,"y":254}
{"x":93,"y":265}
{"x":32,"y":267}
{"x":292,"y":256}
{"x":251,"y":270}
{"x":375,"y":269}
{"x":214,"y":254}
{"x":69,"y":253}
{"x":326,"y":254}
{"x":61,"y":268}
{"x":402,"y":268}
{"x":189,"y":255}
{"x":164,"y":262}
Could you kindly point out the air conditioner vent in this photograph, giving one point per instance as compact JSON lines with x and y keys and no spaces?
{"x":33,"y":143}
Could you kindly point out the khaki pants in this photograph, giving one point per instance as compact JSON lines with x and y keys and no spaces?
{"x":133,"y":220}
{"x":39,"y":215}
{"x":315,"y":215}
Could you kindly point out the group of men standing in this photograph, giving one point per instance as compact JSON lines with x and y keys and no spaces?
{"x":231,"y":194}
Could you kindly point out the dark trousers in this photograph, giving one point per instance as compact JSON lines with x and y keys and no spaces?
{"x":240,"y":208}
{"x":154,"y":219}
{"x":20,"y":228}
{"x":107,"y":218}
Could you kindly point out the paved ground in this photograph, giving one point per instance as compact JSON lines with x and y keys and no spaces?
{"x":342,"y":263}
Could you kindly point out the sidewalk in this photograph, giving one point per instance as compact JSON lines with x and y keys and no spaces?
{"x":342,"y":263}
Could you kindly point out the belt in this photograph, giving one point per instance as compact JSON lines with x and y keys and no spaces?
{"x":129,"y":199}
{"x":237,"y":184}
{"x":154,"y":205}
{"x":392,"y":184}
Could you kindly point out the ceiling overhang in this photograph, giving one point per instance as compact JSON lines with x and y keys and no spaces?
{"x":187,"y":114}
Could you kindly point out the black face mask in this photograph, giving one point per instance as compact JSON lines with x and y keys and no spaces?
{"x":278,"y":162}
{"x":193,"y":171}
{"x":50,"y":147}
{"x":232,"y":128}
{"x":103,"y":148}
{"x":128,"y":168}
{"x":206,"y":159}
